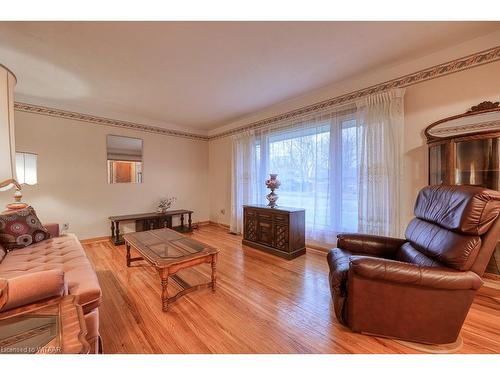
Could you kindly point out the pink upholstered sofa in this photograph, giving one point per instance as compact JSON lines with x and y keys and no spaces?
{"x":50,"y":268}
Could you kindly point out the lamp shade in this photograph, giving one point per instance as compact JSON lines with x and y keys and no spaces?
{"x":26,"y":168}
{"x":7,"y":140}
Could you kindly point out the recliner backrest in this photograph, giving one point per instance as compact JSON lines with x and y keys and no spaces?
{"x":451,"y":222}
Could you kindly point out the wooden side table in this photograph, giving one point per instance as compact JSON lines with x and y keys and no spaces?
{"x":56,"y":326}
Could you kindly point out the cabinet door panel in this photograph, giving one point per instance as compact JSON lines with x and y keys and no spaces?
{"x":281,"y":237}
{"x":250,"y":230}
{"x":477,"y":163}
{"x":438,"y":164}
{"x":265,"y":232}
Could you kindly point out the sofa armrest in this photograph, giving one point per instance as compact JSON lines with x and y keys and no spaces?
{"x":32,"y":287}
{"x":53,"y":229}
{"x":367,"y":244}
{"x":414,"y":274}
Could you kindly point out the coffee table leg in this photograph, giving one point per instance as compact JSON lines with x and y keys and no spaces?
{"x":128,"y":254}
{"x":164,"y":289}
{"x":214,"y":272}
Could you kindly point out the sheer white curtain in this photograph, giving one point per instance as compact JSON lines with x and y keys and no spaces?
{"x":246,"y":177}
{"x":315,"y":157}
{"x":380,"y":120}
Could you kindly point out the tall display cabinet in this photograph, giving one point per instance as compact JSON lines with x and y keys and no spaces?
{"x":465,"y":150}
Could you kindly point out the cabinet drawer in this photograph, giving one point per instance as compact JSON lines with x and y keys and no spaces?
{"x":282,"y":218}
{"x":250,"y":212}
{"x":265,"y":216}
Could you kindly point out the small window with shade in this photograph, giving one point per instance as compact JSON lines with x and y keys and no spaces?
{"x":26,"y":168}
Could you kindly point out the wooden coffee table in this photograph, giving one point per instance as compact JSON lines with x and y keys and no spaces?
{"x":169,"y":252}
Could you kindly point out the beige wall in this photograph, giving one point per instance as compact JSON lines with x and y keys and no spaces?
{"x":219,"y":179}
{"x":424,"y":103}
{"x":72,"y":174}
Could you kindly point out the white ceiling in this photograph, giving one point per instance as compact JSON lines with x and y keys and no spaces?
{"x":201,"y":75}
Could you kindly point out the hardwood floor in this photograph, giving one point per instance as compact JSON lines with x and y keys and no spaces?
{"x":263,"y":304}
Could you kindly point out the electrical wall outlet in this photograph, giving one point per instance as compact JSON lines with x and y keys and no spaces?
{"x":65,"y":226}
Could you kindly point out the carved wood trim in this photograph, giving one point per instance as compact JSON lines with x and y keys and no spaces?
{"x":484,"y":106}
{"x":31,"y":108}
{"x":473,"y":129}
{"x":480,"y":58}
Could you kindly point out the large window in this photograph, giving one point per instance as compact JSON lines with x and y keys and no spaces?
{"x":317,"y":165}
{"x":343,"y":165}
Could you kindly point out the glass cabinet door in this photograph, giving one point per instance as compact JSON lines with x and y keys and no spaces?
{"x":438,"y":164}
{"x":477,"y":163}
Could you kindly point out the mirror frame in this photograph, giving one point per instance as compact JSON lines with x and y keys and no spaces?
{"x":482,"y":108}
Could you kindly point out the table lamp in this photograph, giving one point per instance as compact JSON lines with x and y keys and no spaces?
{"x":7,"y":138}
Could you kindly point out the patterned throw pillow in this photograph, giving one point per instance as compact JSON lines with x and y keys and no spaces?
{"x":21,"y":228}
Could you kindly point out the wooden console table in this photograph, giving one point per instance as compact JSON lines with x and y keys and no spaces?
{"x":150,"y":221}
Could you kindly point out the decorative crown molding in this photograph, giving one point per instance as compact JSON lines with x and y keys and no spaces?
{"x":454,"y":66}
{"x":484,"y":106}
{"x":47,"y":111}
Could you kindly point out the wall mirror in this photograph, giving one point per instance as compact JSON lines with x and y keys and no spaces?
{"x":124,"y":159}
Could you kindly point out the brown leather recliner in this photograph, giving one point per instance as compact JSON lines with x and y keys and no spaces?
{"x":419,"y":288}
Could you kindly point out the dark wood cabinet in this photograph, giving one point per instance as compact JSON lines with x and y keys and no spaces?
{"x":279,"y":231}
{"x":465,"y":150}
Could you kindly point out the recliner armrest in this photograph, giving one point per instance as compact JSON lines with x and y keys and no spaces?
{"x":30,"y":288}
{"x":357,"y":243}
{"x":413,"y":274}
{"x":53,"y":229}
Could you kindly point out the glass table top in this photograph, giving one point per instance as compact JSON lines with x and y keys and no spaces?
{"x":176,"y":248}
{"x":165,"y":244}
{"x":31,"y":333}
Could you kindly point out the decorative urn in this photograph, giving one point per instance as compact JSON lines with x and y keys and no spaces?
{"x":272,"y":183}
